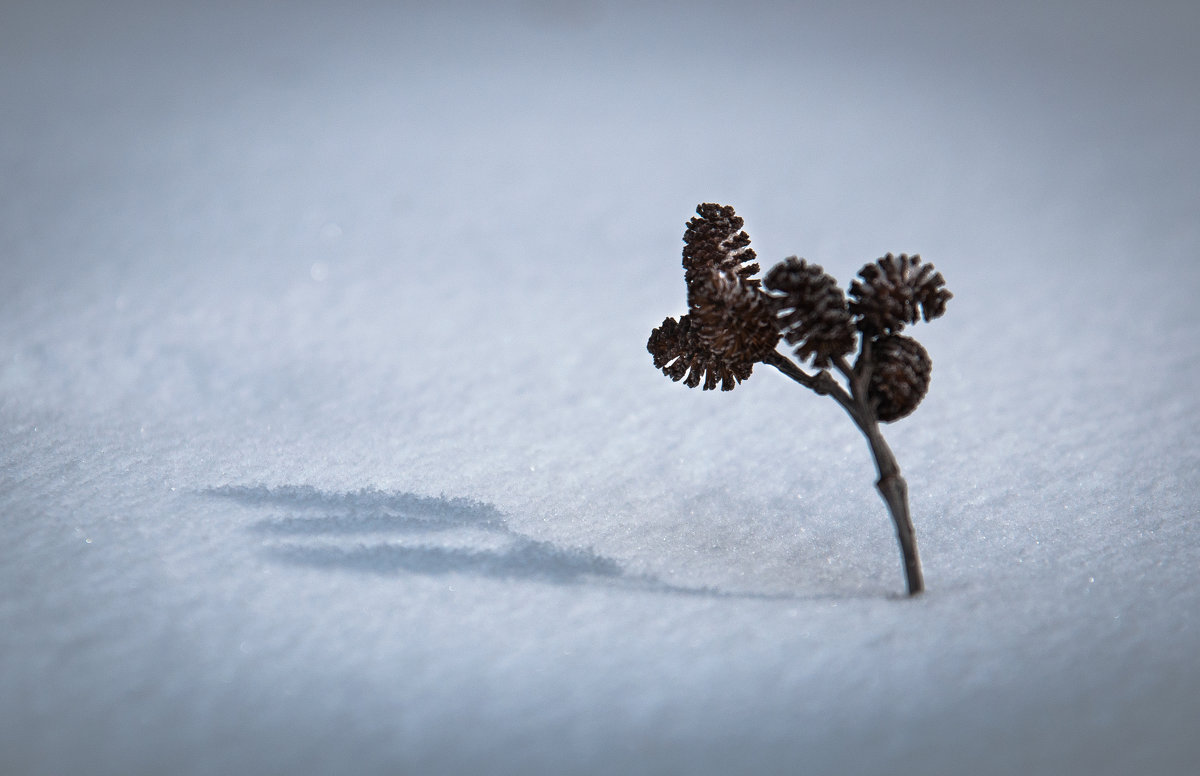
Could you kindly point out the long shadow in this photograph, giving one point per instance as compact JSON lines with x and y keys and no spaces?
{"x":364,"y":511}
{"x":308,"y":512}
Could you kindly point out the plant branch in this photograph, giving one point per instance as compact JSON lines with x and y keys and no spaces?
{"x":844,"y":367}
{"x":822,"y":382}
{"x":891,"y":485}
{"x":735,"y":321}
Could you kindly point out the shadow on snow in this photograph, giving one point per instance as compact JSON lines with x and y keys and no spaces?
{"x":310,"y":513}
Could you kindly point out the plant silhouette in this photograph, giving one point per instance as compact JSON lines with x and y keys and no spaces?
{"x":735,"y":320}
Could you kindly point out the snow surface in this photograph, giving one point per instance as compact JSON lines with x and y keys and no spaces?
{"x":329,"y":442}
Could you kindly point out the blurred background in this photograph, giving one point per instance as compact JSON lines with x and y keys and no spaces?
{"x":368,"y":263}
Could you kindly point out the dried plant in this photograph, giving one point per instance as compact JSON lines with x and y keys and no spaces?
{"x":735,"y":321}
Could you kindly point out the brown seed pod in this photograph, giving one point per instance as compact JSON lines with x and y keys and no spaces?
{"x":714,"y":240}
{"x":812,"y":311}
{"x":678,"y":352}
{"x":894,"y":291}
{"x":733,"y":319}
{"x":899,"y":376}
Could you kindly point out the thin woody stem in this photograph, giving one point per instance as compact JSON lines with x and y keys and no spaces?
{"x":822,"y":382}
{"x":891,"y":485}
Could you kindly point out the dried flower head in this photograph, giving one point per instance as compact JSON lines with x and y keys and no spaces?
{"x":900,"y":372}
{"x":714,"y":240}
{"x":729,"y":327}
{"x":812,"y":311}
{"x":894,"y":291}
{"x":678,"y":352}
{"x":733,"y":319}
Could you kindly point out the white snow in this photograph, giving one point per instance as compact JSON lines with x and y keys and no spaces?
{"x":329,"y":442}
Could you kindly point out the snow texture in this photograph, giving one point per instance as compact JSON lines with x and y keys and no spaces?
{"x":329,"y":442}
